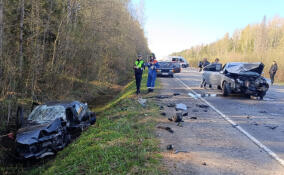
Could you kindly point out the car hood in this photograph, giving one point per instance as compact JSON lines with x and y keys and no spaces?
{"x":240,"y":68}
{"x":33,"y":132}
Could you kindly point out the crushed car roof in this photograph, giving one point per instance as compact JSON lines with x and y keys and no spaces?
{"x":239,"y":67}
{"x":66,"y":104}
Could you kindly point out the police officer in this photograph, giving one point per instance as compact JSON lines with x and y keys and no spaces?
{"x":272,"y":71}
{"x":138,"y":69}
{"x":153,"y":65}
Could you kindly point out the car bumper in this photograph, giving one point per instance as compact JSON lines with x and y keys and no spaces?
{"x":165,"y":73}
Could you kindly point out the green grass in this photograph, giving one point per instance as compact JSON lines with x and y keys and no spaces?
{"x":121,"y":142}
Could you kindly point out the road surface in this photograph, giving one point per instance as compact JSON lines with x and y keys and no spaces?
{"x":215,"y":146}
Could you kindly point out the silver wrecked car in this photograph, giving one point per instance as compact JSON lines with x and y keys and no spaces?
{"x":237,"y":77}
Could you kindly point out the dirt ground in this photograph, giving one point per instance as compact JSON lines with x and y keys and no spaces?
{"x":208,"y":144}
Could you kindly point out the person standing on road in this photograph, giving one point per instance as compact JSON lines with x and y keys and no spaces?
{"x":217,"y":61}
{"x":203,"y":64}
{"x":272,"y":71}
{"x":153,"y":65}
{"x":138,"y":69}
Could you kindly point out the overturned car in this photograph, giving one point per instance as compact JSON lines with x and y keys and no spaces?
{"x":237,"y":77}
{"x":50,"y":127}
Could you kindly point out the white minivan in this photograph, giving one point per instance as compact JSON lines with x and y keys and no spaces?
{"x":181,"y":60}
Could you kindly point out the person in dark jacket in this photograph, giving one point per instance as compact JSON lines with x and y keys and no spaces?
{"x":138,"y":69}
{"x":203,"y":64}
{"x":272,"y":71}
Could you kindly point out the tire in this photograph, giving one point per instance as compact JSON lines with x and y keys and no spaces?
{"x":261,"y":94}
{"x":219,"y":87}
{"x":226,"y":89}
{"x":93,"y":118}
{"x":172,"y":76}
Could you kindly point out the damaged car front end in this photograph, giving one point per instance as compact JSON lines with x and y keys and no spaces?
{"x":246,"y":78}
{"x":50,"y":127}
{"x":238,"y":77}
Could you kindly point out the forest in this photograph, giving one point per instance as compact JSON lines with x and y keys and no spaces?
{"x":65,"y":50}
{"x":262,"y":42}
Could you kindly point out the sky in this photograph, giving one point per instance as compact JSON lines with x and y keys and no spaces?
{"x":175,"y":25}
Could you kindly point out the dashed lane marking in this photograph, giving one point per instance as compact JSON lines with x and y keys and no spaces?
{"x":239,"y":128}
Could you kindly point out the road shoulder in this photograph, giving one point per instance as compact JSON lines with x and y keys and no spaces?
{"x":211,"y":145}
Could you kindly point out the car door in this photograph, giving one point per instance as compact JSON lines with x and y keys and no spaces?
{"x":209,"y":74}
{"x":216,"y":75}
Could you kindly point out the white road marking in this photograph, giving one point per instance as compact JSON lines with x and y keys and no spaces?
{"x":253,"y":139}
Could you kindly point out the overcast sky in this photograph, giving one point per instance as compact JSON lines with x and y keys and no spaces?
{"x":175,"y":25}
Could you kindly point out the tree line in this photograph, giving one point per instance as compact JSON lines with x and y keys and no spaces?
{"x":52,"y":49}
{"x":262,"y":42}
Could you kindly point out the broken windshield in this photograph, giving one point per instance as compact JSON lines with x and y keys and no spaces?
{"x":166,"y":64}
{"x":47,"y":113}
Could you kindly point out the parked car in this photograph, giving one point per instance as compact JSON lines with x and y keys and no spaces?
{"x":177,"y":68}
{"x":237,"y":77}
{"x":166,"y":69}
{"x":182,"y":61}
{"x":50,"y":127}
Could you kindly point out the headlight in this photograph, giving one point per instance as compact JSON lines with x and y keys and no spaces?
{"x":33,"y":149}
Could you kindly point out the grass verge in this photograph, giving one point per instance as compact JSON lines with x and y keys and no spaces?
{"x":121,"y":142}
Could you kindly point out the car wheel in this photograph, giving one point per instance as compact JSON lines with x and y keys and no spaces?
{"x":92,"y":118}
{"x":67,"y":139}
{"x":261,"y":94}
{"x":226,"y":89}
{"x":172,"y":76}
{"x":219,"y":87}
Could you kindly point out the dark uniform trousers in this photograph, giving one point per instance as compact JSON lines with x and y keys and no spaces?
{"x":138,"y":77}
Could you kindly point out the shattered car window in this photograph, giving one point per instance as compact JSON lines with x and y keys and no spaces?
{"x":47,"y":113}
{"x":79,"y":108}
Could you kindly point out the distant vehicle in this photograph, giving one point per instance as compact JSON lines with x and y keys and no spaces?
{"x":177,"y":68}
{"x":182,"y":61}
{"x":166,"y":69}
{"x":50,"y":127}
{"x":237,"y":77}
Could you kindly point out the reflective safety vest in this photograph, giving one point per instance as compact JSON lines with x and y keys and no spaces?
{"x":139,"y":64}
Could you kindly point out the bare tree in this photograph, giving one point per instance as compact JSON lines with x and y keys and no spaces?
{"x":1,"y":32}
{"x":22,"y":7}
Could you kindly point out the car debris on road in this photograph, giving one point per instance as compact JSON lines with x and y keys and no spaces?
{"x":181,"y":106}
{"x":166,"y":128}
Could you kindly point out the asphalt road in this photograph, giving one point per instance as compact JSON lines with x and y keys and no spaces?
{"x":263,"y":119}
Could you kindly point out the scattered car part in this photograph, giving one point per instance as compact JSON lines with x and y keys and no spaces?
{"x":166,"y":128}
{"x":170,"y":147}
{"x":202,"y":106}
{"x":181,"y":106}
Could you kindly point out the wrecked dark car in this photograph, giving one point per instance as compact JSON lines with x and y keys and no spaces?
{"x":50,"y":127}
{"x":237,"y":77}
